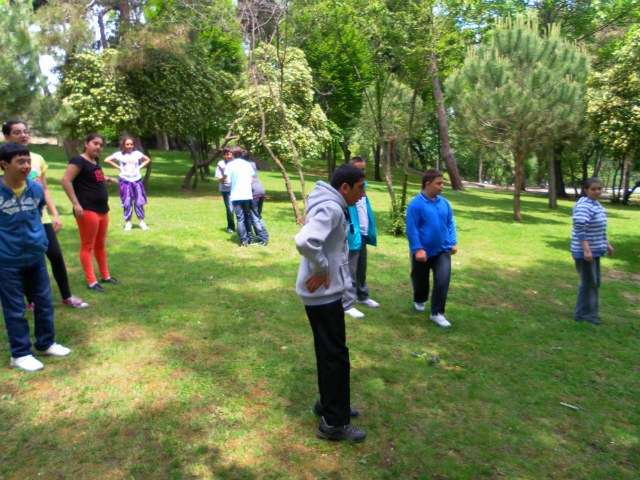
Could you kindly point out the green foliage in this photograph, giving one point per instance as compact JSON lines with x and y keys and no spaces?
{"x":181,"y":94}
{"x":613,"y":100}
{"x":397,"y":219}
{"x":307,"y":122}
{"x":93,"y":96}
{"x":522,"y":91}
{"x":19,"y":73}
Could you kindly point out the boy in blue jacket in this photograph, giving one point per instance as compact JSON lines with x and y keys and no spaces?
{"x":23,"y":243}
{"x":431,"y":232}
{"x":364,"y":233}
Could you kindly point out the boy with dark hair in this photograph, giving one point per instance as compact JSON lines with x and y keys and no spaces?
{"x":256,"y":203}
{"x":323,"y":277}
{"x":238,"y":173}
{"x":364,"y":233}
{"x":431,"y":232}
{"x":23,"y":243}
{"x":225,"y":187}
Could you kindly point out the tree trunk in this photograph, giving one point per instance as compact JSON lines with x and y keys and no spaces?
{"x":391,"y":149}
{"x":480,"y":167}
{"x":553,"y":198}
{"x":344,"y":145}
{"x":598,"y":165}
{"x":449,"y":159}
{"x":387,"y":170}
{"x":559,"y":185}
{"x":518,"y":185}
{"x":140,"y":145}
{"x":627,"y":176}
{"x":172,"y":145}
{"x":186,"y":183}
{"x":160,"y":141}
{"x":70,"y":147}
{"x":103,"y":34}
{"x":376,"y":160}
{"x":540,"y":176}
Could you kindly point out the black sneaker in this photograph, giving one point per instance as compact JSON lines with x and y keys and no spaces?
{"x":110,"y":280}
{"x":348,"y":432}
{"x":592,"y":320}
{"x":318,"y":410}
{"x":97,"y":287}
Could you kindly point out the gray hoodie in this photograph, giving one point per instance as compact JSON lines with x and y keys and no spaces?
{"x":322,"y":242}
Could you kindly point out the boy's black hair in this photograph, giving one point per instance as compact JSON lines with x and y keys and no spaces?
{"x":355,"y":160}
{"x":12,"y":150}
{"x":430,"y":175}
{"x":346,"y":174}
{"x":6,"y":127}
{"x":245,"y":155}
{"x":587,"y":184}
{"x":226,"y":150}
{"x":237,"y":152}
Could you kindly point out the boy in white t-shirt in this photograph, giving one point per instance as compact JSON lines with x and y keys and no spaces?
{"x":238,"y":173}
{"x":131,"y":188}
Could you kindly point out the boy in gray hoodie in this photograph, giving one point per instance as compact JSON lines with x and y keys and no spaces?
{"x":323,"y":277}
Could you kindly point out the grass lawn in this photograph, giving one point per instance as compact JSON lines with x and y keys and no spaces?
{"x":201,"y":364}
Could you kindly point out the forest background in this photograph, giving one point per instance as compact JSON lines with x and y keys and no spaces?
{"x":504,"y":92}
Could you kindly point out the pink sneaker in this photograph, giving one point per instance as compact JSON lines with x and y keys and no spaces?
{"x":31,"y":306}
{"x":75,"y":302}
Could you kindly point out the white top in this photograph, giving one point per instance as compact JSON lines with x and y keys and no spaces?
{"x":129,"y":165}
{"x":224,"y":185}
{"x":239,"y":173}
{"x":363,"y":216}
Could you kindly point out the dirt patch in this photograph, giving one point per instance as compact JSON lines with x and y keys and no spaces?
{"x":631,"y":297}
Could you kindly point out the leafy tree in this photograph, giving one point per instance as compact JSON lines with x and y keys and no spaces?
{"x":20,"y":81}
{"x":93,"y":96}
{"x":613,"y":107}
{"x":520,"y":92}
{"x":306,"y":120}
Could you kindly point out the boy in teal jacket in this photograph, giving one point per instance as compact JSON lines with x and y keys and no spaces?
{"x":362,"y":234}
{"x":23,"y":243}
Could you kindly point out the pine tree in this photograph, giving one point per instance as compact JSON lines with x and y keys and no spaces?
{"x":521,"y":92}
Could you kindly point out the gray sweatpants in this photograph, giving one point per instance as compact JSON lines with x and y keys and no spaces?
{"x":358,"y":272}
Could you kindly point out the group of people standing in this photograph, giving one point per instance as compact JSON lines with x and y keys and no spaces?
{"x":333,"y":246}
{"x":24,"y":221}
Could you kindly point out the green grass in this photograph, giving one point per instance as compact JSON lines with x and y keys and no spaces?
{"x":182,"y":372}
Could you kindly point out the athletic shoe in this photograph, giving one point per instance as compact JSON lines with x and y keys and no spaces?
{"x":143,"y":226}
{"x":27,"y":363}
{"x":244,"y":245}
{"x":55,"y":350}
{"x":97,"y":287}
{"x":348,"y":432}
{"x":440,"y":320}
{"x":230,"y":231}
{"x":128,"y":227}
{"x":318,"y":410}
{"x":110,"y":280}
{"x":353,"y":312}
{"x":264,"y":243}
{"x":419,"y":306}
{"x":75,"y":302}
{"x":369,"y":303}
{"x":31,"y":307}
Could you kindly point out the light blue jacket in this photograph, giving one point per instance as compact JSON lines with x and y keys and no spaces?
{"x":355,"y":239}
{"x":23,"y":240}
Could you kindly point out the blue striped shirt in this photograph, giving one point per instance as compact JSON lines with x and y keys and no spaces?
{"x":590,"y":224}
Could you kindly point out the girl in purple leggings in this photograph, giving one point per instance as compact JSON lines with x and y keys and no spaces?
{"x":131,"y":189}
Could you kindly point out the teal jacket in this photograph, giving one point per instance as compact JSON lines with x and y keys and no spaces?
{"x":355,"y":239}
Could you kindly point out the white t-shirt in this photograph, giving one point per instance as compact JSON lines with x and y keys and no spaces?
{"x":239,"y":173}
{"x":130,"y":165}
{"x":224,"y":186}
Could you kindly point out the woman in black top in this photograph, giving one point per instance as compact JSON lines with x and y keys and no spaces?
{"x":84,"y":184}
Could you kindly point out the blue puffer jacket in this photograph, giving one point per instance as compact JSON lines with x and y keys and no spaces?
{"x":23,"y":240}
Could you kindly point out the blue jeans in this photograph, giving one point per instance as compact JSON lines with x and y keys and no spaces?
{"x":587,"y":303}
{"x":12,"y":292}
{"x":229,"y":208}
{"x":242,"y":209}
{"x":256,"y":219}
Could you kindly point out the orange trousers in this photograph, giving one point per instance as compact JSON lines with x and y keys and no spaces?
{"x":93,"y":234}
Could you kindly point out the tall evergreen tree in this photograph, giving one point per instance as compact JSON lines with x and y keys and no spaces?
{"x":521,"y":91}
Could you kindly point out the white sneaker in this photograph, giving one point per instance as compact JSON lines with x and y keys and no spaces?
{"x":127,"y":227}
{"x":28,"y":363}
{"x":419,"y":306}
{"x":369,"y":303}
{"x":440,"y":320}
{"x":54,"y":350}
{"x":352,"y":312}
{"x":143,"y":226}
